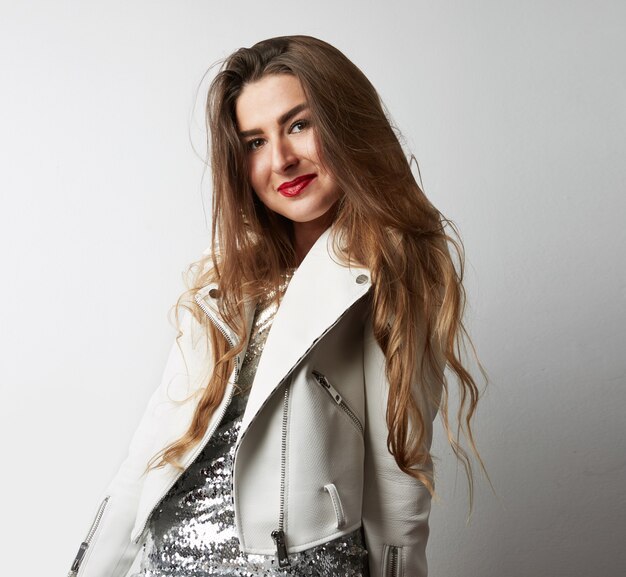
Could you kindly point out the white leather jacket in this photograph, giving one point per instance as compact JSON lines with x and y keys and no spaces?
{"x":311,"y":461}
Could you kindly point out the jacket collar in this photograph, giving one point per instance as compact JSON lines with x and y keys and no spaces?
{"x":319,"y":292}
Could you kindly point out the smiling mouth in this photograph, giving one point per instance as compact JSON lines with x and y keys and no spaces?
{"x":296,"y":186}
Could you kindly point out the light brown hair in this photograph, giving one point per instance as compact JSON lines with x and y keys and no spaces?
{"x":386,"y":222}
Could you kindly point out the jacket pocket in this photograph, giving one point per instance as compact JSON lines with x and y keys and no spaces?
{"x":392,"y":561}
{"x":337,"y":506}
{"x":323,"y":381}
{"x":89,"y":538}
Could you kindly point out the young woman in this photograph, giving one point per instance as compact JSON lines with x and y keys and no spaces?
{"x":304,"y":450}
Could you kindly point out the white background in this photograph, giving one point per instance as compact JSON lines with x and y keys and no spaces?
{"x":516,"y":112}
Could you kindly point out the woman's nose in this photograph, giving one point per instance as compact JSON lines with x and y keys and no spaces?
{"x":283,"y":156}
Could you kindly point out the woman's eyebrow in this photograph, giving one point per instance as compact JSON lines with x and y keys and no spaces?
{"x":282,"y":119}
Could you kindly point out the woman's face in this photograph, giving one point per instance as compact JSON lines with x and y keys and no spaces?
{"x":274,"y":124}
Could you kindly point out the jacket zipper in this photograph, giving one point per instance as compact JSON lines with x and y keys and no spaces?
{"x":279,"y":534}
{"x":199,"y":448}
{"x":85,"y":544}
{"x":322,"y":380}
{"x":393,"y":562}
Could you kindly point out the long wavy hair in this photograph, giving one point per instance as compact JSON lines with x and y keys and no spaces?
{"x":386,"y":223}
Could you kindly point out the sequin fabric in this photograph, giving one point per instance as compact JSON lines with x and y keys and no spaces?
{"x":192,"y":532}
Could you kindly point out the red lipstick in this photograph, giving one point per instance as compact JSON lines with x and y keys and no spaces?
{"x":296,"y":186}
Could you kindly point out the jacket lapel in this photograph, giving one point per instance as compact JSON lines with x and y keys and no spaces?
{"x":210,"y":305}
{"x":319,"y":292}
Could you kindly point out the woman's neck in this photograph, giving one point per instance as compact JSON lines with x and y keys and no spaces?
{"x":305,"y":234}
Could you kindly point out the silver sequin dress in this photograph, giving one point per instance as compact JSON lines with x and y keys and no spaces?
{"x":191,"y":533}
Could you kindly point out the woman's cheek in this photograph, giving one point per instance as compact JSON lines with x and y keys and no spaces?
{"x":259,"y":173}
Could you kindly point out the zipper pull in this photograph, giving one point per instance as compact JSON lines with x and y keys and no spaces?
{"x":281,"y":548}
{"x":79,"y":558}
{"x":322,"y":380}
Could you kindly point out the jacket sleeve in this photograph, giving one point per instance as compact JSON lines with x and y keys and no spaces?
{"x":107,"y":550}
{"x":396,"y":506}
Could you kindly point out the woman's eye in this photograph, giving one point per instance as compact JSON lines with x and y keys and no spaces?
{"x":254,"y":144}
{"x":299,"y":125}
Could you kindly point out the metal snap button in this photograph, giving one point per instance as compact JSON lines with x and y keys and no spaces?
{"x":361,"y":279}
{"x":214,"y":293}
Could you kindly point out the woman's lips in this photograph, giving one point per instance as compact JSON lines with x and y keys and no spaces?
{"x":299,"y":184}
